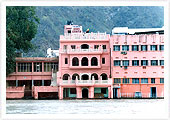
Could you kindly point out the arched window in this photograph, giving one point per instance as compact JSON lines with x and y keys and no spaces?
{"x":104,"y":76}
{"x":95,"y":76}
{"x":94,"y":61}
{"x":66,"y":76}
{"x":74,"y":76}
{"x":75,"y":61}
{"x":84,"y":61}
{"x":85,"y":77}
{"x":84,"y":46}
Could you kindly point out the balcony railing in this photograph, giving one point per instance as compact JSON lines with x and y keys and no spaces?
{"x":84,"y":51}
{"x":85,"y":36}
{"x":90,"y":82}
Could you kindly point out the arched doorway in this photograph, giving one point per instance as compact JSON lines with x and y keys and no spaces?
{"x":74,"y":76}
{"x":84,"y":61}
{"x":75,"y":61}
{"x":104,"y":76}
{"x":95,"y":76}
{"x":85,"y":77}
{"x":66,"y":76}
{"x":94,"y":61}
{"x":85,"y":93}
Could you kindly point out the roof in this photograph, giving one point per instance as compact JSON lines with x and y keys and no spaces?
{"x":119,"y":30}
{"x":36,"y":59}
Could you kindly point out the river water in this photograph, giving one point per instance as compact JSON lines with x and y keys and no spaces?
{"x":104,"y":106}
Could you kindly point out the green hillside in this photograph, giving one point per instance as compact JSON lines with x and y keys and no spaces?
{"x":103,"y":19}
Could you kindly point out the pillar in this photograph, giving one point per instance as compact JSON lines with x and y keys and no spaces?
{"x":16,"y":83}
{"x":32,"y":67}
{"x":32,"y":82}
{"x":42,"y":82}
{"x":42,"y":66}
{"x":91,"y":92}
{"x":79,"y":92}
{"x":89,"y":60}
{"x":111,"y":92}
{"x":60,"y":92}
{"x":16,"y":67}
{"x":109,"y":96}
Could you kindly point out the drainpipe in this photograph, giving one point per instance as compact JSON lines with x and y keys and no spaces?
{"x":110,"y":64}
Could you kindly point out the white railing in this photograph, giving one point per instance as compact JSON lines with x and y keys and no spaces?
{"x":87,"y":81}
{"x":132,"y":95}
{"x":84,"y":50}
{"x":85,"y":36}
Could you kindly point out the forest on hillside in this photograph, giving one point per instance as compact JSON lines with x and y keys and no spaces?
{"x":102,"y":19}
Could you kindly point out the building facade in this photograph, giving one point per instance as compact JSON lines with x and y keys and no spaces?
{"x":95,"y":65}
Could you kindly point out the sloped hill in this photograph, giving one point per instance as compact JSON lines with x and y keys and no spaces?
{"x":103,"y":19}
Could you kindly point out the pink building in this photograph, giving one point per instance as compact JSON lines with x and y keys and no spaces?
{"x":127,"y":64}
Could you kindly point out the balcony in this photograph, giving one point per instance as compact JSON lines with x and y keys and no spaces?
{"x":84,"y":51}
{"x":85,"y":67}
{"x":87,"y":82}
{"x":85,"y":36}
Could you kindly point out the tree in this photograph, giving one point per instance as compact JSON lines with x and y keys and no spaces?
{"x":21,"y":28}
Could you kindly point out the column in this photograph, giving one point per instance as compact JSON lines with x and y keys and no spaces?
{"x":32,"y":82}
{"x":42,"y":82}
{"x":89,"y":59}
{"x":79,"y":92}
{"x":42,"y":66}
{"x":109,"y":92}
{"x":32,"y":67}
{"x":16,"y":83}
{"x":60,"y":93}
{"x":16,"y":67}
{"x":91,"y":92}
{"x":79,"y":61}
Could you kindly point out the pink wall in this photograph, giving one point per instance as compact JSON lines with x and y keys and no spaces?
{"x":37,"y":89}
{"x":15,"y":92}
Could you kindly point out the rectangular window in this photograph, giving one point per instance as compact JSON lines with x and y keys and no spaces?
{"x":65,"y":47}
{"x":153,"y":47}
{"x":66,"y":60}
{"x":154,"y":62}
{"x":73,"y":47}
{"x":103,"y":60}
{"x":24,"y":67}
{"x":104,"y":46}
{"x":116,"y":47}
{"x":135,"y":80}
{"x":161,"y":80}
{"x":48,"y":66}
{"x":161,"y":47}
{"x":161,"y":62}
{"x":96,"y":46}
{"x":125,"y":80}
{"x":144,"y":80}
{"x":125,"y":62}
{"x":135,"y":62}
{"x":125,"y":47}
{"x":144,"y":47}
{"x":135,"y":47}
{"x":117,"y":80}
{"x":117,"y":63}
{"x":37,"y":67}
{"x":152,"y":80}
{"x":144,"y":62}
